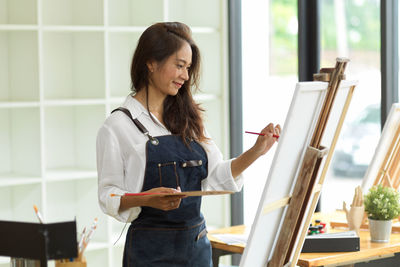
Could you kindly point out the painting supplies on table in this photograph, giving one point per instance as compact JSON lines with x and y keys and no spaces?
{"x":39,"y":216}
{"x":84,"y":240}
{"x":317,"y":228}
{"x":80,"y":244}
{"x":332,"y":242}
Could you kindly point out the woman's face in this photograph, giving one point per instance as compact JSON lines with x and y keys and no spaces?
{"x":169,"y":76}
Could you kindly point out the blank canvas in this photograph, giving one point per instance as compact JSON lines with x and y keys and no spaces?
{"x":295,"y":137}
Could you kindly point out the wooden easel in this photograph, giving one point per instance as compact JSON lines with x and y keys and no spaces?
{"x":307,"y":189}
{"x":388,"y":175}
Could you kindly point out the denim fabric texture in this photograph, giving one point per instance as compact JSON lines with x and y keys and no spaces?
{"x":167,"y":248}
{"x":171,"y":238}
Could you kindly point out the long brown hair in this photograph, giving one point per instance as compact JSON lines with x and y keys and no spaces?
{"x":181,"y":116}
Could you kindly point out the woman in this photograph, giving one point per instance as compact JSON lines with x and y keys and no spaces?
{"x":164,"y":147}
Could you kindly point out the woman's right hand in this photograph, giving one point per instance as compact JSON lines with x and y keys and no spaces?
{"x":156,"y":201}
{"x":163,"y":202}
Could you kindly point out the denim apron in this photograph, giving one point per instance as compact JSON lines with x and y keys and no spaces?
{"x":177,"y":237}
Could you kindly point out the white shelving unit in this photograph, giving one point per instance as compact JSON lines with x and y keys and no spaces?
{"x":64,"y":65}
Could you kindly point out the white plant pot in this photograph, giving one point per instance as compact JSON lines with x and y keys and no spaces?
{"x":380,"y":230}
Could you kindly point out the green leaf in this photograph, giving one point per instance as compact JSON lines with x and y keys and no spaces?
{"x":382,"y":203}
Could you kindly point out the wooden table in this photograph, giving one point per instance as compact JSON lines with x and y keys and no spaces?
{"x":368,"y":250}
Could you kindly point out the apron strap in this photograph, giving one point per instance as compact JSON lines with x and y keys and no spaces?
{"x":138,"y":124}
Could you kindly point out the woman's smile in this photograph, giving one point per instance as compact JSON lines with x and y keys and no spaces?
{"x":177,"y":84}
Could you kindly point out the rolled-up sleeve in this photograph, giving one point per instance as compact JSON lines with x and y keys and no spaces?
{"x":219,"y":171}
{"x":110,"y":169}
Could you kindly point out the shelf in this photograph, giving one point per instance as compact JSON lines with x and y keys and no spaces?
{"x":4,"y":260}
{"x":70,"y":136}
{"x":20,"y":142}
{"x":73,"y":102}
{"x":12,"y":13}
{"x":191,"y":12}
{"x":18,"y":27}
{"x":56,"y":175}
{"x":24,"y":104}
{"x":126,"y":29}
{"x":11,"y":179}
{"x":74,"y":65}
{"x":68,"y":28}
{"x":72,"y":12}
{"x":19,"y":66}
{"x":76,"y":199}
{"x":121,"y":48}
{"x":130,"y":12}
{"x":16,"y":202}
{"x":64,"y":65}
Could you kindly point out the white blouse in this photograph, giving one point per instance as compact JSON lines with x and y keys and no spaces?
{"x":121,"y":160}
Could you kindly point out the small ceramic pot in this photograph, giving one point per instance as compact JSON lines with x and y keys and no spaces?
{"x":380,"y":230}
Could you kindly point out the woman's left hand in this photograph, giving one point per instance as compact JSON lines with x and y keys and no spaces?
{"x":266,"y":141}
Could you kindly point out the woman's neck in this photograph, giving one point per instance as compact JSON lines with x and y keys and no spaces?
{"x":154,"y":102}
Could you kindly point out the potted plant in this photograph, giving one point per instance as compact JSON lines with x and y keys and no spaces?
{"x":382,"y":205}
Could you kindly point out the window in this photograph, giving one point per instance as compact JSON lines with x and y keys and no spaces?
{"x":351,"y":28}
